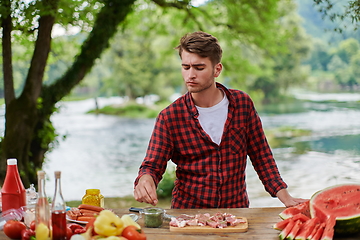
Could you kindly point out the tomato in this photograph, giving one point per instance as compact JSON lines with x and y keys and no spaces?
{"x":90,"y":224}
{"x":74,"y":226}
{"x":69,"y":232}
{"x":28,"y":234}
{"x":14,"y":228}
{"x":32,"y":225}
{"x":79,"y":230}
{"x":133,"y":233}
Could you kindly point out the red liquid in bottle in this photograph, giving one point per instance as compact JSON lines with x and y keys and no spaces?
{"x":58,"y":219}
{"x":13,"y":191}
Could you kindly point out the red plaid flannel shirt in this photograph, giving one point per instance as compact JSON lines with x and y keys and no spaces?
{"x":210,"y":175}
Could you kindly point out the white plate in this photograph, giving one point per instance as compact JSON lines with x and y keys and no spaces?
{"x":132,"y":215}
{"x":75,"y":221}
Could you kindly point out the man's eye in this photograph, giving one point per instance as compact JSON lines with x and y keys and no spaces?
{"x":199,"y":68}
{"x":186,"y":68}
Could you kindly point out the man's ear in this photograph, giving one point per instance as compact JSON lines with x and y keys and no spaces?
{"x":218,"y":69}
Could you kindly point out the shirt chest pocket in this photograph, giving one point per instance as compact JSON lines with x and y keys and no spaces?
{"x":237,"y":140}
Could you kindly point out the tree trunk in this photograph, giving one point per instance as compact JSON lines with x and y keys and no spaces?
{"x":21,"y":114}
{"x":6,"y":20}
{"x":27,"y":121}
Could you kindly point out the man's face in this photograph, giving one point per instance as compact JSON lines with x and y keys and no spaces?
{"x":198,"y":72}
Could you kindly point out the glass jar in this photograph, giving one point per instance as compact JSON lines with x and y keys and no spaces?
{"x":153,"y":217}
{"x":93,"y":197}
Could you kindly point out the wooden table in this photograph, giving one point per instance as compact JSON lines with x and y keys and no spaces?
{"x":261,"y":221}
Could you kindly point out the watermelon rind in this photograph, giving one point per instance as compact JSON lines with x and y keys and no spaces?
{"x":345,"y":225}
{"x":285,"y":232}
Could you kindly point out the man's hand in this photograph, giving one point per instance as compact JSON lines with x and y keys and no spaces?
{"x":289,"y":201}
{"x":145,"y":190}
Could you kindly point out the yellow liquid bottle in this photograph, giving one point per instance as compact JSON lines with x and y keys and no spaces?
{"x":93,"y":197}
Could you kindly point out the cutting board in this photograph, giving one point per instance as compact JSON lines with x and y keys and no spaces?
{"x":242,"y":227}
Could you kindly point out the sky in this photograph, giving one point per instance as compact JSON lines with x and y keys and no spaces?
{"x":197,"y":3}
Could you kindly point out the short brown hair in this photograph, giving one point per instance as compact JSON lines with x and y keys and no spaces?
{"x":203,"y":44}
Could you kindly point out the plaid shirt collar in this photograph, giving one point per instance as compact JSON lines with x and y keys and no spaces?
{"x":191,"y":105}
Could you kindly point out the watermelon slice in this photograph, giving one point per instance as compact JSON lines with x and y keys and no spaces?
{"x":295,"y":229}
{"x":307,"y":228}
{"x":319,"y":232}
{"x":282,"y":224}
{"x":341,"y":202}
{"x":300,"y":208}
{"x":328,"y":233}
{"x":285,"y":232}
{"x":313,"y":232}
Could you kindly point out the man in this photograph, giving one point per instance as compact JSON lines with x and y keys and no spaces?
{"x":208,"y":133}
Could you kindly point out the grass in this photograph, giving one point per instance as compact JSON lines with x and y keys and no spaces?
{"x":132,"y":109}
{"x":125,"y":202}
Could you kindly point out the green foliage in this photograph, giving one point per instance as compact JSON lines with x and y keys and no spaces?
{"x":256,"y":43}
{"x":47,"y":134}
{"x":166,"y":185}
{"x":29,"y":23}
{"x":347,"y":49}
{"x":281,"y":138}
{"x":131,"y":110}
{"x":345,"y":12}
{"x":320,"y":26}
{"x":283,"y":70}
{"x":341,"y":63}
{"x":141,"y":59}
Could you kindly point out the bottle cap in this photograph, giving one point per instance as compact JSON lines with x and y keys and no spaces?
{"x":57,"y":174}
{"x":12,"y":161}
{"x":41,"y":174}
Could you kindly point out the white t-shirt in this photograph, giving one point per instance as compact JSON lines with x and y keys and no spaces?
{"x":212,"y":119}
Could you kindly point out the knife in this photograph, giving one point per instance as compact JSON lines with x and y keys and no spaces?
{"x":139,"y":210}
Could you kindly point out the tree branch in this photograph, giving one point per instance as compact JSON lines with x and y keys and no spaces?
{"x":6,"y":23}
{"x":176,"y":4}
{"x":105,"y":26}
{"x":35,"y":75}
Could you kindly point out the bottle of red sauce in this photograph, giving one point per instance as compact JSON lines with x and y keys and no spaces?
{"x":58,"y":211}
{"x":13,"y":193}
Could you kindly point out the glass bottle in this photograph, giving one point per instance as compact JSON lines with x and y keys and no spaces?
{"x":58,"y":211}
{"x":93,"y":197}
{"x":13,"y":192}
{"x":42,"y":210}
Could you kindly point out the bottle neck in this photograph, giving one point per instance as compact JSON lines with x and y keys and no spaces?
{"x":12,"y":170}
{"x":41,"y":188}
{"x":58,"y":202}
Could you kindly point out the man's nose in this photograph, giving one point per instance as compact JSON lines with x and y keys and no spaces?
{"x":191,"y":73}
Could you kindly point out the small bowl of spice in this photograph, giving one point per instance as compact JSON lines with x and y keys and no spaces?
{"x":153,"y":216}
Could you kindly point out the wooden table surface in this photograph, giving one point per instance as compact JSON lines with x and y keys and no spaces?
{"x":261,"y":221}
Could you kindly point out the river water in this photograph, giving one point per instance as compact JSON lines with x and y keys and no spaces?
{"x":104,"y":152}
